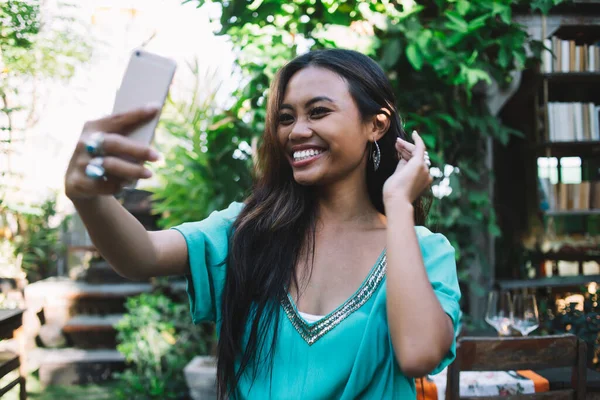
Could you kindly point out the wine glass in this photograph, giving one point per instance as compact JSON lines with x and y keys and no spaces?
{"x":499,"y":312}
{"x":526,"y":318}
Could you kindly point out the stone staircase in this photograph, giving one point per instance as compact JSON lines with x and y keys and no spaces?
{"x":74,"y":341}
{"x":77,"y":334}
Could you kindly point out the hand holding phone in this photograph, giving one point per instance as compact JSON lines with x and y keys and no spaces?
{"x":126,"y":134}
{"x":146,"y":82}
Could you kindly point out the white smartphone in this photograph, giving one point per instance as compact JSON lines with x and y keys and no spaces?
{"x":146,"y":81}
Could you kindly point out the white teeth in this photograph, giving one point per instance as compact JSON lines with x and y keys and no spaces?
{"x":300,"y":155}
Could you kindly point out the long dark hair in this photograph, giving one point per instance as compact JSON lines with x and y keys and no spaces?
{"x":277,"y":225}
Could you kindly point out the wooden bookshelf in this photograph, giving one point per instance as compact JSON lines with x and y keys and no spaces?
{"x":567,"y":255}
{"x":568,"y":149}
{"x":548,"y":282}
{"x":560,"y":213}
{"x":584,"y":78}
{"x":564,"y":106}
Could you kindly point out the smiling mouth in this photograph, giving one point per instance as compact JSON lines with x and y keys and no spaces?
{"x":306,"y":154}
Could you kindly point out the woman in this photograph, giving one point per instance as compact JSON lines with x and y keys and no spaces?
{"x":321,"y":284}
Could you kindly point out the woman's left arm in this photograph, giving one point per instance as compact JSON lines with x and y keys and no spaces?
{"x":421,"y":331}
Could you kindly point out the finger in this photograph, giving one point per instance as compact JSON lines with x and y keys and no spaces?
{"x":123,"y":122}
{"x":406,"y":145}
{"x":419,"y":151}
{"x":120,"y":169}
{"x":403,"y":152}
{"x":124,"y":169}
{"x":120,"y":145}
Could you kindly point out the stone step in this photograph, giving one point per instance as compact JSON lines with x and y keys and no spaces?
{"x":201,"y":376}
{"x":92,"y":331}
{"x":71,"y":366}
{"x":100,"y":272}
{"x":62,"y":298}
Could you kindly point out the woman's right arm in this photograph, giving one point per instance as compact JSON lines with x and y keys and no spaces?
{"x":119,"y":237}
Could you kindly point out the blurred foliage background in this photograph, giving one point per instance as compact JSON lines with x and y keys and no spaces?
{"x":441,"y":56}
{"x":34,"y":47}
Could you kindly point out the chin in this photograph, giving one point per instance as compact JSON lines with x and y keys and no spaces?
{"x":306,"y":179}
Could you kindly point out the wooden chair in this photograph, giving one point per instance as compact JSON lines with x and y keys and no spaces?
{"x":10,"y":362}
{"x":520,"y":353}
{"x":11,"y":320}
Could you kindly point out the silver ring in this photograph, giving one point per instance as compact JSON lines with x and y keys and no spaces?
{"x":94,"y":144}
{"x":94,"y":170}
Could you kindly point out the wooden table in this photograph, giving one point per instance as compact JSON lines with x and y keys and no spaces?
{"x":560,"y":378}
{"x":10,"y":320}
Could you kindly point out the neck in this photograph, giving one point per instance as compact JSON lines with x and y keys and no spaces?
{"x":347,"y":201}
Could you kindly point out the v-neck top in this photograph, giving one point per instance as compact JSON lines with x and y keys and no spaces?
{"x":310,"y":318}
{"x":348,"y":353}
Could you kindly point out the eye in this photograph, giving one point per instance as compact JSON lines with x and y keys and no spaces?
{"x":285,"y":119}
{"x":319,"y":112}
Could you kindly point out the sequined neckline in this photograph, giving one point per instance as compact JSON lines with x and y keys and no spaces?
{"x":311,"y":332}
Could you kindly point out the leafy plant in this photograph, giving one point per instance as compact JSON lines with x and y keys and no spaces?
{"x":35,"y":241}
{"x":34,"y":46}
{"x":20,"y":24}
{"x":207,"y":163}
{"x":158,"y":339}
{"x":585,"y":323}
{"x":440,"y":57}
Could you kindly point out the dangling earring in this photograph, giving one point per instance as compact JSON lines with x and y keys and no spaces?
{"x":376,"y":156}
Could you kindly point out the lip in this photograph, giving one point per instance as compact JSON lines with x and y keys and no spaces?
{"x":307,"y":161}
{"x":300,"y":147}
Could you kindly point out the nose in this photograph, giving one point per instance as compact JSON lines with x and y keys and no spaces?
{"x":301,"y":130}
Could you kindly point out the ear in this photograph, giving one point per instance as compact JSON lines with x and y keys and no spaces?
{"x":379,"y":125}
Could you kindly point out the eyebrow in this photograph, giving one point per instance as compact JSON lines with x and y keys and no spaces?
{"x":308,"y":103}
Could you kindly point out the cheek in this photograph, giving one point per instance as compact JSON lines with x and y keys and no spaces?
{"x":349,"y":147}
{"x":282,"y":135}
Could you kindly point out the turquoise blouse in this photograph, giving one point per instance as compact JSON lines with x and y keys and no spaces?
{"x":346,"y":355}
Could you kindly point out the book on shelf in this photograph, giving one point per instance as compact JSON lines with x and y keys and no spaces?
{"x":573,"y":122}
{"x":569,"y":196}
{"x":568,"y":56}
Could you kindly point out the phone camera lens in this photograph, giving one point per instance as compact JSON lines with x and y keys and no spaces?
{"x":137,"y":53}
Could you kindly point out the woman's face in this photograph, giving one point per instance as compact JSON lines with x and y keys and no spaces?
{"x":320,"y":128}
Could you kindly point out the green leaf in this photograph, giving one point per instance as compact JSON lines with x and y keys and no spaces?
{"x":429,"y":140}
{"x":449,"y":120}
{"x":520,"y":58}
{"x":474,"y":75}
{"x":423,"y":39}
{"x":468,"y":171}
{"x":478,"y":22}
{"x":255,"y":4}
{"x":503,"y":57}
{"x":542,"y":5}
{"x":478,"y":198}
{"x":454,"y":39}
{"x":391,"y":53}
{"x":503,"y":10}
{"x":463,"y":6}
{"x":457,"y":21}
{"x":414,"y":56}
{"x":515,"y":132}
